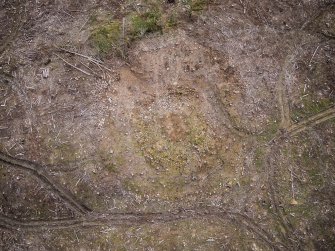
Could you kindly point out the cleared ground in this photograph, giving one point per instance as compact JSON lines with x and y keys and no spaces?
{"x":146,"y":125}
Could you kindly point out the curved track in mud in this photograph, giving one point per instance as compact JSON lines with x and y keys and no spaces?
{"x":273,"y":147}
{"x":310,"y":122}
{"x":41,"y":174}
{"x":131,"y":219}
{"x":90,"y":219}
{"x":288,"y":130}
{"x":85,"y":218}
{"x":17,"y":14}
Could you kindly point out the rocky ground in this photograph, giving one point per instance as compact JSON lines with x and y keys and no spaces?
{"x":148,"y":125}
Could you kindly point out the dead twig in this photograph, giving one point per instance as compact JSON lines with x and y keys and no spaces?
{"x":93,"y":60}
{"x":244,"y":7}
{"x":89,"y":68}
{"x":82,"y":55}
{"x":67,"y":13}
{"x":292,"y":187}
{"x":310,"y":61}
{"x":77,"y":68}
{"x":82,"y":27}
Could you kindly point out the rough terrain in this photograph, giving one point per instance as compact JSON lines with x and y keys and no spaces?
{"x":147,"y":125}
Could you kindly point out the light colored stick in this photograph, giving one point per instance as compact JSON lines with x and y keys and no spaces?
{"x":123,"y":37}
{"x":310,"y":61}
{"x":82,"y":27}
{"x":292,"y":185}
{"x":85,"y":72}
{"x":93,"y":60}
{"x":89,"y":68}
{"x":244,"y":8}
{"x":82,"y":55}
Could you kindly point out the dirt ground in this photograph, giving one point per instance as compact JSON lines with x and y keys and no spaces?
{"x":209,"y":129}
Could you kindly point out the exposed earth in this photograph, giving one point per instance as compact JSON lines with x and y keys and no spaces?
{"x":167,"y":125}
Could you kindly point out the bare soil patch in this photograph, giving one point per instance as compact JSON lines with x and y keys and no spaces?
{"x":147,"y":125}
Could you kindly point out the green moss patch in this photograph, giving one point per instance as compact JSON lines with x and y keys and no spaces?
{"x":270,"y":130}
{"x":106,"y":36}
{"x":147,"y":22}
{"x":309,"y":106}
{"x":195,"y":5}
{"x":180,"y":150}
{"x":110,"y":34}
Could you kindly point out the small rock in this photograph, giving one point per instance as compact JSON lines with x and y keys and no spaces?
{"x":294,"y":202}
{"x":45,"y":72}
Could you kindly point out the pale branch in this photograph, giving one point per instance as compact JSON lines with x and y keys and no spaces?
{"x":77,"y":68}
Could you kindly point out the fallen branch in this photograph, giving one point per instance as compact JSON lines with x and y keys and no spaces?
{"x":310,"y":61}
{"x":77,"y":68}
{"x":93,"y":60}
{"x":89,"y":68}
{"x":244,"y":7}
{"x":78,"y":54}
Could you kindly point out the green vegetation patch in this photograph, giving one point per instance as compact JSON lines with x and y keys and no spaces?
{"x":198,"y":5}
{"x":306,"y":175}
{"x":195,"y":5}
{"x":309,"y":107}
{"x":270,"y":130}
{"x":172,"y":21}
{"x":110,"y":33}
{"x":106,"y":36}
{"x":147,"y":22}
{"x":179,"y":150}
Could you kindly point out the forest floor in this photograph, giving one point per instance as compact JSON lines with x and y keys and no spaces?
{"x":147,"y":125}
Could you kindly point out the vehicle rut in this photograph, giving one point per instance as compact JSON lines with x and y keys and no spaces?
{"x":42,"y":175}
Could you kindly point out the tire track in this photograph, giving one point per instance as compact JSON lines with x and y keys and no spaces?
{"x":117,"y":219}
{"x":312,"y":121}
{"x":302,"y":126}
{"x":273,"y":148}
{"x":279,"y":216}
{"x":19,"y":20}
{"x":131,"y":219}
{"x":42,"y":175}
{"x":253,"y":227}
{"x":282,"y":92}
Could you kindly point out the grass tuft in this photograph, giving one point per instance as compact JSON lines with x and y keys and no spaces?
{"x":195,"y":5}
{"x":147,"y":22}
{"x":106,"y":36}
